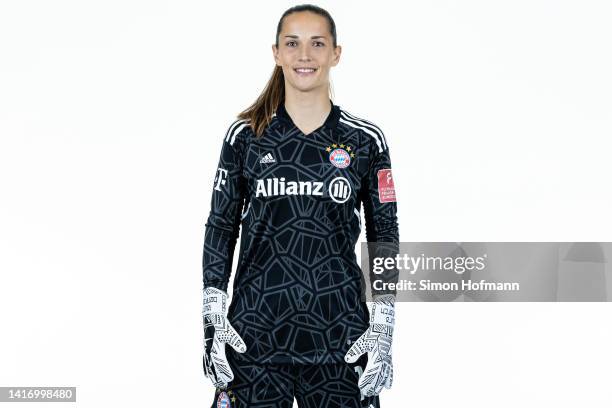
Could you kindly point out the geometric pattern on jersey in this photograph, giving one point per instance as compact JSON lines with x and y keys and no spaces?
{"x":296,"y":296}
{"x":312,"y":386}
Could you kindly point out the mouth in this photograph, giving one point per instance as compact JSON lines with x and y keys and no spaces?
{"x":305,"y":71}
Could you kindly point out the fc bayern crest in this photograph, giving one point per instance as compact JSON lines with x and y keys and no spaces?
{"x":340,"y":156}
{"x":223,"y":401}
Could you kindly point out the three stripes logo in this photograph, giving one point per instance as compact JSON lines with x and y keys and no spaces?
{"x":367,"y":126}
{"x":268,"y":158}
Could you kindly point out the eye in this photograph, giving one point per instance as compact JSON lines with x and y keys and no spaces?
{"x":289,"y":43}
{"x":319,"y":44}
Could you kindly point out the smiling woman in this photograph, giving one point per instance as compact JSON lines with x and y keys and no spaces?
{"x":305,"y":51}
{"x":302,"y":167}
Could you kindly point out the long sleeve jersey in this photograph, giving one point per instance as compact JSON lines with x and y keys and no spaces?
{"x":297,"y":197}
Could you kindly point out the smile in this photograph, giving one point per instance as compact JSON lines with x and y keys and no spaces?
{"x":305,"y":71}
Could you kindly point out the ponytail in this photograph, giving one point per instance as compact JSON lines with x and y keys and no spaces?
{"x":260,"y":112}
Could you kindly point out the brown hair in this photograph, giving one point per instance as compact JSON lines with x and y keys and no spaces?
{"x":260,"y":112}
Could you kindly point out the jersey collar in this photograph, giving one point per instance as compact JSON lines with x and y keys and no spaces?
{"x":331,"y":122}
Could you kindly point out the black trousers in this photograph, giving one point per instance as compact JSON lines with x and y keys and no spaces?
{"x":276,"y":385}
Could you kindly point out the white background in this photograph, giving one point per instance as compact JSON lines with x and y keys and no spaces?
{"x":112,"y":114}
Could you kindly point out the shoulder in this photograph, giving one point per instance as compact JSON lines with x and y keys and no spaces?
{"x":372,"y":131}
{"x":238,"y":131}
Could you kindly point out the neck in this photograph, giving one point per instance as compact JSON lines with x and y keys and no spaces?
{"x":307,"y":109}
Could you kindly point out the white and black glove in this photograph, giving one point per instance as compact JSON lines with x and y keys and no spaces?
{"x":217,"y":332}
{"x":376,"y":341}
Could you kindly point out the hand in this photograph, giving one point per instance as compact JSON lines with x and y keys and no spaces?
{"x":376,"y":341}
{"x":217,"y":332}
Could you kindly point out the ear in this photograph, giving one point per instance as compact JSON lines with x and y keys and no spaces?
{"x":275,"y":54}
{"x":337,"y":51}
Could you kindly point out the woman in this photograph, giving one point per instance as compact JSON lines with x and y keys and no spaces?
{"x":293,"y":172}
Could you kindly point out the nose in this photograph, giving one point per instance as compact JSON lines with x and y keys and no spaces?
{"x":304,"y":53}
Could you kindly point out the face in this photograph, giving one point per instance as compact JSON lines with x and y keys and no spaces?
{"x":305,"y":51}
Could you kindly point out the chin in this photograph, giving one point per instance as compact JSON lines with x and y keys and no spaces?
{"x":305,"y":87}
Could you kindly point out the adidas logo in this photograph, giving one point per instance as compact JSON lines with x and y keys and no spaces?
{"x":267,"y":159}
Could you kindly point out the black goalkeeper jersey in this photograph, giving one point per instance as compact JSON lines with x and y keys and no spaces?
{"x":297,"y":289}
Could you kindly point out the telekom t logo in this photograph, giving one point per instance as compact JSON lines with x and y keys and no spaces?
{"x":221,"y":178}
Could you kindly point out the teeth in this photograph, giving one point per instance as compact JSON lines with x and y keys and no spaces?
{"x":305,"y":69}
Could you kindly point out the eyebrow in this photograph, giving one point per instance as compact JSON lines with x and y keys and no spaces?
{"x":313,"y":37}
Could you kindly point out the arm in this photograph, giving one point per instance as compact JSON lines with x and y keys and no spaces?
{"x":223,"y":224}
{"x":380,"y":209}
{"x":222,"y":229}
